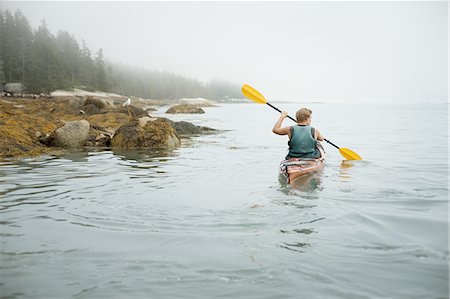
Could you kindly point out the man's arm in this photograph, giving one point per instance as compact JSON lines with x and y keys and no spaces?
{"x":277,"y":129}
{"x":319,"y":136}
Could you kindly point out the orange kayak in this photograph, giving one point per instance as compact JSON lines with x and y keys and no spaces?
{"x":294,"y":168}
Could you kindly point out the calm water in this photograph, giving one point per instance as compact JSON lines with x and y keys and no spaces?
{"x":183,"y":224}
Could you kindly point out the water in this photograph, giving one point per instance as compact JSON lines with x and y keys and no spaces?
{"x":210,"y":220}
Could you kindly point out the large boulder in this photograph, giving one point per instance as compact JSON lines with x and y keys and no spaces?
{"x":94,"y":105}
{"x":146,"y":133}
{"x":185,"y":108}
{"x":132,"y":111}
{"x":91,"y":109}
{"x":72,"y":134}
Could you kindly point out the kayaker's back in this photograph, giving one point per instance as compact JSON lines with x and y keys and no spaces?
{"x":302,"y":143}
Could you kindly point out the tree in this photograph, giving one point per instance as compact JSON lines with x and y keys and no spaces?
{"x":70,"y":56}
{"x":2,"y":26}
{"x":9,"y":48}
{"x":24,"y":35}
{"x":2,"y":74}
{"x":44,"y":63}
{"x":48,"y":70}
{"x":101,"y":77}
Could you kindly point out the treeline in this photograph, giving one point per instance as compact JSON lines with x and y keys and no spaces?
{"x":44,"y":62}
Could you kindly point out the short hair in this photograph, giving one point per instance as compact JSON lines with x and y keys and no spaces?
{"x":303,"y":114}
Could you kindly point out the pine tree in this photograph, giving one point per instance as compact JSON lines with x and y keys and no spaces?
{"x":70,"y":56}
{"x":2,"y":73}
{"x":101,"y":77}
{"x":9,"y":49}
{"x":87,"y":69}
{"x":24,"y":35}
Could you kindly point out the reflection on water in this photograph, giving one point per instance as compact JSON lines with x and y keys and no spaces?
{"x":144,"y":155}
{"x":75,"y":155}
{"x":307,"y":183}
{"x":345,"y":172}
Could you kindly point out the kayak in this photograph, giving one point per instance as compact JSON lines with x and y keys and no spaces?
{"x":295,"y":168}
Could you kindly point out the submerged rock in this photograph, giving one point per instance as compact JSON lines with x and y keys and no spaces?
{"x":72,"y":134}
{"x":185,"y":128}
{"x":146,"y":133}
{"x":185,"y":108}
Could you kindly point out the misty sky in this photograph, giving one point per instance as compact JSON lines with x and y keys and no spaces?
{"x":321,"y":51}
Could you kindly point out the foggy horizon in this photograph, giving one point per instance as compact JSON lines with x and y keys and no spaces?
{"x":312,"y":52}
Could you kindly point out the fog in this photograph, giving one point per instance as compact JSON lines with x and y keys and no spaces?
{"x":314,"y":51}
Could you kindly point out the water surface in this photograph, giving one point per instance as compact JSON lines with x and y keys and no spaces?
{"x":210,"y":220}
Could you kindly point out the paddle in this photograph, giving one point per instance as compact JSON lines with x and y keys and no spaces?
{"x":254,"y":95}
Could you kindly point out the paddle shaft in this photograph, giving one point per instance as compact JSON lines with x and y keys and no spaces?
{"x":296,"y":121}
{"x":280,"y":111}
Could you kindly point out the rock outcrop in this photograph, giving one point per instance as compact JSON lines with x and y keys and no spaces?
{"x":72,"y":134}
{"x":146,"y":133}
{"x":31,"y":127}
{"x":185,"y":109}
{"x":94,"y":105}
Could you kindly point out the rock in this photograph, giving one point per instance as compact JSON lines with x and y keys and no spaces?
{"x":185,"y":108}
{"x":143,"y":120}
{"x":185,"y":128}
{"x":101,"y":105}
{"x":98,"y":137}
{"x":67,"y":105}
{"x":91,"y":109}
{"x":72,"y":134}
{"x":103,"y":140}
{"x":44,"y":139}
{"x":132,"y":111}
{"x":146,"y":134}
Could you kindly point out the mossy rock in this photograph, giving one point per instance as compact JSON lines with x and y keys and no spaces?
{"x":185,"y":109}
{"x":146,"y":134}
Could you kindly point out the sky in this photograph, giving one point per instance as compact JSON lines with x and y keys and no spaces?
{"x":315,"y":51}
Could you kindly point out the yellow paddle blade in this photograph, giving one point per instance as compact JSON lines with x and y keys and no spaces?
{"x":252,"y":94}
{"x":349,"y":154}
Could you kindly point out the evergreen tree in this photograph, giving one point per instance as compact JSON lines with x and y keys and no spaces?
{"x":101,"y":78}
{"x":2,"y":26}
{"x":24,"y":35}
{"x":87,"y":68}
{"x":9,"y":49}
{"x":44,"y":63}
{"x":2,"y":75}
{"x":70,"y":56}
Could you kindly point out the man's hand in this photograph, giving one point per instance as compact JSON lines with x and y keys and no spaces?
{"x":284,"y":114}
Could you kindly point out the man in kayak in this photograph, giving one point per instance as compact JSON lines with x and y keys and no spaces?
{"x":302,"y":137}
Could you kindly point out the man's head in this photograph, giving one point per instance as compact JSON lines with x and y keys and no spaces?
{"x":303,"y":115}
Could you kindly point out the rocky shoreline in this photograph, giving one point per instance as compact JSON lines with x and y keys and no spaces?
{"x":33,"y":127}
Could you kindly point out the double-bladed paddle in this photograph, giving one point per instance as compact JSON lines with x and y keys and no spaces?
{"x":254,"y":95}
